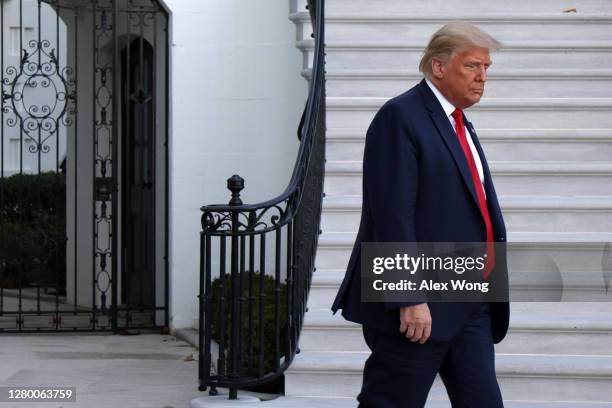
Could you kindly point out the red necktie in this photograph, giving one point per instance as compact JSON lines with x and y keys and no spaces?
{"x":482,"y":201}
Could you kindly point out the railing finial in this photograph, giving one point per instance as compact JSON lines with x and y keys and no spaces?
{"x":235,"y":184}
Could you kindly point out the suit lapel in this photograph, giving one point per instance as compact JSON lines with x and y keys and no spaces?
{"x":449,"y":136}
{"x":494,"y":209}
{"x":483,"y":161}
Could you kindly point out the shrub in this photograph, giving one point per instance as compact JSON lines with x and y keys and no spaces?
{"x":33,"y":231}
{"x":269,"y":324}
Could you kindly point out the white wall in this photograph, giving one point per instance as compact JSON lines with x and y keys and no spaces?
{"x":236,"y":100}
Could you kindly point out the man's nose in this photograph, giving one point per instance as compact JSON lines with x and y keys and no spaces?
{"x":482,"y":74}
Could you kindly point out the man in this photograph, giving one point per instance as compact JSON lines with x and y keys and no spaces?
{"x":426,"y":179}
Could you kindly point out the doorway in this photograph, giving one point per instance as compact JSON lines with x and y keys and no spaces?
{"x":138,"y":175}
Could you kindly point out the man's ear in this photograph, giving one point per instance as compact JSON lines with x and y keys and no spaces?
{"x":437,"y":68}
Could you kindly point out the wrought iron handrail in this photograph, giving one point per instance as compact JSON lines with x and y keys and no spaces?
{"x":251,"y":314}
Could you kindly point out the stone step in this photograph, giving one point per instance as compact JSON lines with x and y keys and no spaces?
{"x":543,"y":145}
{"x":510,"y":178}
{"x":531,"y":404}
{"x":528,"y":251}
{"x":561,"y":328}
{"x":449,"y":8}
{"x":505,"y":113}
{"x":502,"y":26}
{"x":521,"y":213}
{"x":221,"y":401}
{"x":325,"y":284}
{"x":561,"y":282}
{"x":581,"y":378}
{"x":515,"y":54}
{"x":501,"y":83}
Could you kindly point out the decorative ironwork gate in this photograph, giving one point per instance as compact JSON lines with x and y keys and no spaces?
{"x":83,"y":135}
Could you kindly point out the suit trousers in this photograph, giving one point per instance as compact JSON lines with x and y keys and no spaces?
{"x":399,"y":373}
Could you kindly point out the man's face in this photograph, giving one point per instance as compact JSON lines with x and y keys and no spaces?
{"x":461,"y":80}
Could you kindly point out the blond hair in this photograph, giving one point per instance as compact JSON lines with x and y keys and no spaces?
{"x":452,"y":38}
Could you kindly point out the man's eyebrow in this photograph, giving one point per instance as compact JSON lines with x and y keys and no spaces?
{"x":489,"y":63}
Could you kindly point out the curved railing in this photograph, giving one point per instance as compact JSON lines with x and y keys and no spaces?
{"x":257,"y":260}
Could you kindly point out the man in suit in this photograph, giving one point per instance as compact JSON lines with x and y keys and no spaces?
{"x":426,"y":179}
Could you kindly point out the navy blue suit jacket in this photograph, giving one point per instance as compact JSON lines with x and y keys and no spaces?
{"x":417,"y":187}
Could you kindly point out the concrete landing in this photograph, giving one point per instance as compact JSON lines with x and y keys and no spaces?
{"x":142,"y":371}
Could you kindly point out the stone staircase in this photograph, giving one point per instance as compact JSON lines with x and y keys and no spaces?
{"x":546,"y":126}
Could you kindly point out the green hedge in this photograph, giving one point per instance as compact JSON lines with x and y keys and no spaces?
{"x":269,"y":323}
{"x":33,"y":231}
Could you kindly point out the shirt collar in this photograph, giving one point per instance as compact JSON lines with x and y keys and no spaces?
{"x":446,"y":105}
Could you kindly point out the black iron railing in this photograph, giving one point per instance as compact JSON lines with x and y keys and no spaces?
{"x":256,"y":261}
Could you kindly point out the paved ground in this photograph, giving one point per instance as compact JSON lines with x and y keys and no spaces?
{"x":143,"y":371}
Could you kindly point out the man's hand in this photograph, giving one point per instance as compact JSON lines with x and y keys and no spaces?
{"x":416,"y":322}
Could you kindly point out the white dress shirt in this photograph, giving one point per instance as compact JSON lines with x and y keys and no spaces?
{"x":449,"y":109}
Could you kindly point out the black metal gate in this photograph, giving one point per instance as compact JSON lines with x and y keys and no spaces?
{"x":83,"y":165}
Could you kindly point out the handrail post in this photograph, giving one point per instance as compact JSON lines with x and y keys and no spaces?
{"x":235,"y":184}
{"x":204,"y":305}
